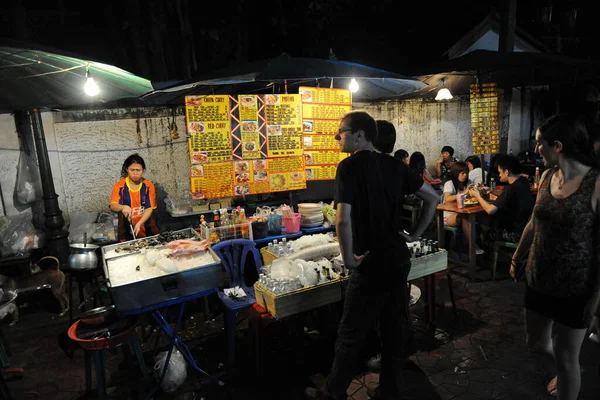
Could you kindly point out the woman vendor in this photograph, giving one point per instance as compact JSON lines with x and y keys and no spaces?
{"x":134,"y":198}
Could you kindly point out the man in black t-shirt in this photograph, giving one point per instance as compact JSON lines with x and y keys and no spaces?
{"x":514,"y":205}
{"x":368,"y":193}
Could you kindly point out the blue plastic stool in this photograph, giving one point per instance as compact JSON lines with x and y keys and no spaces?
{"x":233,"y":253}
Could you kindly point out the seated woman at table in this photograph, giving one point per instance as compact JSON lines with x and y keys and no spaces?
{"x":475,"y":171}
{"x":458,"y":184}
{"x":402,"y":155}
{"x":507,"y":216}
{"x":417,"y":164}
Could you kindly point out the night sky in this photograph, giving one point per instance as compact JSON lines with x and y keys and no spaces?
{"x":388,"y":34}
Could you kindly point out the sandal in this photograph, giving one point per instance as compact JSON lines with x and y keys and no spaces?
{"x":552,"y":387}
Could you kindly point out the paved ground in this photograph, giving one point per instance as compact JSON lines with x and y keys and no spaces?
{"x":480,"y":354}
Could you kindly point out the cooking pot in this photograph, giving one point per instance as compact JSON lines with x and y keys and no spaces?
{"x":100,"y":316}
{"x":83,"y":256}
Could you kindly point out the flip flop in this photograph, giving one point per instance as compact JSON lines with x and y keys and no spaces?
{"x":552,"y":387}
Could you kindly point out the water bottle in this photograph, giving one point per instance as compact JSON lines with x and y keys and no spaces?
{"x":492,"y":183}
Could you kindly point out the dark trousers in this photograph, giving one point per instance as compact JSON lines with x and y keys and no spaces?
{"x":367,"y":302}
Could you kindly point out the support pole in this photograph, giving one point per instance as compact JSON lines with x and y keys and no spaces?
{"x":57,"y":240}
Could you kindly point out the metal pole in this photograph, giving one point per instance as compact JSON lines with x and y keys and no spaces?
{"x":58,"y":243}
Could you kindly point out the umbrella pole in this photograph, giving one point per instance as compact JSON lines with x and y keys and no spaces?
{"x":57,"y":243}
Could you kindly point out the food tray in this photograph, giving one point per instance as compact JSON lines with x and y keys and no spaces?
{"x":137,"y":294}
{"x":300,"y":300}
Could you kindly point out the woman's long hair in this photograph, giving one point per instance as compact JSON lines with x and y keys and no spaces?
{"x":455,"y":170}
{"x":417,"y":162}
{"x":570,"y":130}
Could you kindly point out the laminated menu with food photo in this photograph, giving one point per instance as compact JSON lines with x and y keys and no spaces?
{"x":322,"y":110}
{"x":209,"y":128}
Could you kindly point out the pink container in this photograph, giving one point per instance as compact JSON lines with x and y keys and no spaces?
{"x":291,"y":224}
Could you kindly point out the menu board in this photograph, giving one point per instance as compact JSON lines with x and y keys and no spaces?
{"x":322,"y":110}
{"x":247,"y":127}
{"x":284,"y":124}
{"x":250,"y":144}
{"x":209,"y":128}
{"x":484,"y":118}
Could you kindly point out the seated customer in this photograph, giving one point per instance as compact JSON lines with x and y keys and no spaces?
{"x":458,"y":183}
{"x":417,"y":164}
{"x":475,"y":171}
{"x":513,"y":207}
{"x":402,"y":155}
{"x":443,"y":164}
{"x":493,"y":171}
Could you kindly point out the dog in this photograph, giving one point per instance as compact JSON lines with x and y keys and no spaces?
{"x":52,"y":276}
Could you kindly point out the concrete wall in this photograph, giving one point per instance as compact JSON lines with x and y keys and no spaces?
{"x":87,"y":148}
{"x":427,"y":126}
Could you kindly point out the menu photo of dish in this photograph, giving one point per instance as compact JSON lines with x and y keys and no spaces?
{"x":260,"y":176}
{"x":278,"y":182}
{"x":259,"y":165}
{"x":249,"y":146}
{"x":199,"y":157}
{"x":249,"y":126}
{"x":193,"y":101}
{"x":197,"y":171}
{"x":195,"y":127}
{"x":240,"y":190}
{"x":310,"y":173}
{"x":248,"y":101}
{"x":306,"y":95}
{"x":308,"y":158}
{"x":307,"y":126}
{"x":272,"y":99}
{"x":241,"y":166}
{"x":274,"y":130}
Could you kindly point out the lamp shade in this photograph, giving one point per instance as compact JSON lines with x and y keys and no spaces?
{"x":443,"y":94}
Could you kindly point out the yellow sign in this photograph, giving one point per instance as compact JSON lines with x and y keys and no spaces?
{"x":209,"y":128}
{"x":284,"y":124}
{"x":322,"y":110}
{"x":484,"y":118}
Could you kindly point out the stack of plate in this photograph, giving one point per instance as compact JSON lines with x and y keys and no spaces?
{"x":311,"y":215}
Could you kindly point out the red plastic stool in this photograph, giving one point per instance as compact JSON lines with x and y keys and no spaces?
{"x":96,"y":349}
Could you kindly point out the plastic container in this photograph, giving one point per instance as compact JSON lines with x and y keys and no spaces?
{"x":460,"y":200}
{"x":274,"y":224}
{"x":292,"y":224}
{"x":260,"y":229}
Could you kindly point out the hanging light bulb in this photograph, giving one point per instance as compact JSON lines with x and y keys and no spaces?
{"x":443,"y":93}
{"x":353,"y":86}
{"x":91,"y":87}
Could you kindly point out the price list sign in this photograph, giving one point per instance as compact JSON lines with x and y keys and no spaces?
{"x":216,"y":181}
{"x":283,"y":116}
{"x":484,"y":118}
{"x":251,"y":177}
{"x":322,"y":110}
{"x":208,"y":125}
{"x":286,"y":173}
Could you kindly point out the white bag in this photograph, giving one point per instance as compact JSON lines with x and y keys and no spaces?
{"x":176,"y":373}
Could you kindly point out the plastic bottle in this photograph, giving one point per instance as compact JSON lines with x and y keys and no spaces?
{"x":510,"y":153}
{"x":536,"y":179}
{"x":492,"y":183}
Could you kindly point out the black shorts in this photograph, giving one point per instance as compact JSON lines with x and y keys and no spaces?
{"x":569,"y":311}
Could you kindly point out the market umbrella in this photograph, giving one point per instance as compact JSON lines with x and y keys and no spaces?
{"x":285,"y":73}
{"x":33,"y":76}
{"x":505,"y":69}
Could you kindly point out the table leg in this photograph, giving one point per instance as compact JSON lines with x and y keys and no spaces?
{"x":440,"y":228}
{"x":472,"y":246}
{"x":70,"y":305}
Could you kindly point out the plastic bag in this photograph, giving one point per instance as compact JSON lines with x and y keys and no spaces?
{"x":17,"y":235}
{"x":176,"y":372}
{"x":29,"y":184}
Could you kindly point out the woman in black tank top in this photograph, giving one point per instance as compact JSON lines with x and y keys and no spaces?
{"x":560,"y":245}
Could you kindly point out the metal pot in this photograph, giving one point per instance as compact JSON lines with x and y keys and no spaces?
{"x":99,"y":316}
{"x":83,"y":256}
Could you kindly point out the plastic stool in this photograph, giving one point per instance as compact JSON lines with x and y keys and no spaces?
{"x":96,"y":350}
